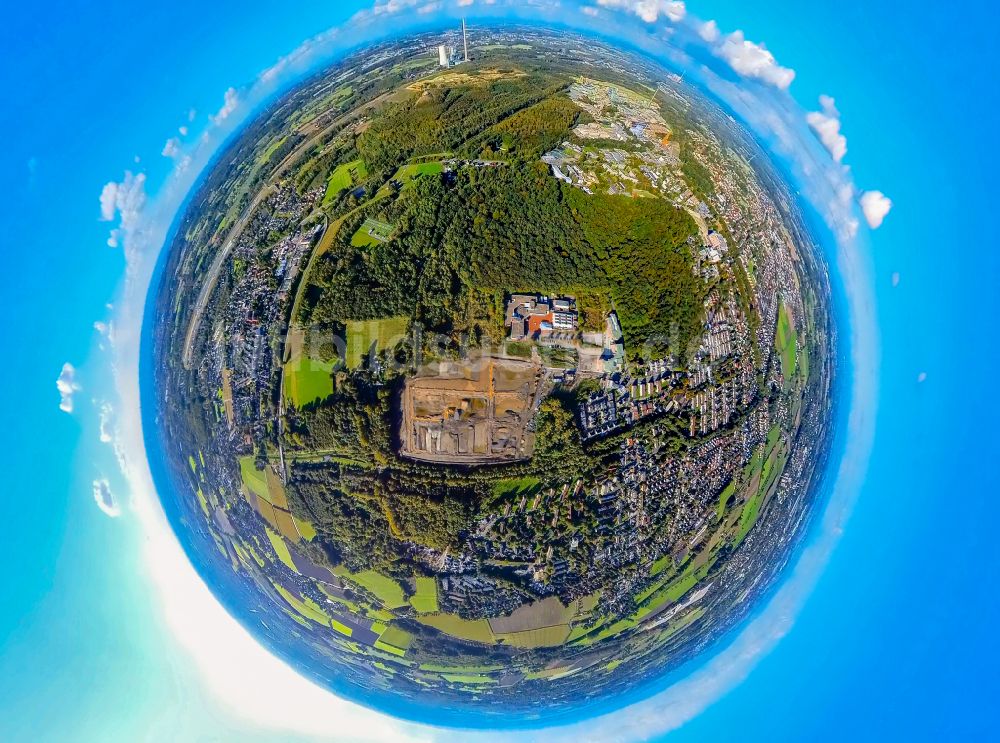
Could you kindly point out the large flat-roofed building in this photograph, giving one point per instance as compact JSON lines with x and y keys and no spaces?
{"x":534,"y":316}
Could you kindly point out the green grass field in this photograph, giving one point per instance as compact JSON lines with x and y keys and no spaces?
{"x":459,"y":678}
{"x":362,"y":334}
{"x":385,"y":589}
{"x":394,"y":640}
{"x":254,"y":478}
{"x":724,"y":496}
{"x":672,"y":591}
{"x":476,"y":630}
{"x":518,"y":349}
{"x":425,"y":599}
{"x":543,"y":637}
{"x":343,"y":178}
{"x":281,"y":549}
{"x":770,"y":468}
{"x":514,"y":488}
{"x":784,"y":341}
{"x":411,"y":171}
{"x":305,"y":529}
{"x":304,"y":606}
{"x":266,"y":154}
{"x":471,"y":669}
{"x":661,"y":564}
{"x":307,"y":380}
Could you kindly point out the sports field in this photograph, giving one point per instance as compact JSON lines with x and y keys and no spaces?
{"x":371,"y":233}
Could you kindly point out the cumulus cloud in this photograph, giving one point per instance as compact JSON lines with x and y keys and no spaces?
{"x":126,"y":198}
{"x":67,"y":386}
{"x":105,"y":423}
{"x":589,"y":10}
{"x":388,"y":7}
{"x":754,"y":60}
{"x":876,"y":206}
{"x":183,"y":130}
{"x":109,"y":195}
{"x":114,"y":238}
{"x":649,"y":10}
{"x":230,"y":100}
{"x":826,"y":126}
{"x":172,"y":148}
{"x":709,"y":31}
{"x":105,"y":499}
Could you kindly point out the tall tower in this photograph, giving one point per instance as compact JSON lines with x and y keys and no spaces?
{"x":443,"y":56}
{"x":465,"y":41}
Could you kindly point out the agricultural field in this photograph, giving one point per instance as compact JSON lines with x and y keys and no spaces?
{"x":474,"y":630}
{"x":272,"y":148}
{"x":384,"y":588}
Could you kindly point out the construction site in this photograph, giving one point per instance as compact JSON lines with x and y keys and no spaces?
{"x":474,"y":411}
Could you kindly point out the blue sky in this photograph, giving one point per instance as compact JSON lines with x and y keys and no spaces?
{"x":897,"y":638}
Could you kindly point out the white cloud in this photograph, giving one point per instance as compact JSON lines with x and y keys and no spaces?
{"x":876,"y":206}
{"x":109,"y":195}
{"x":895,"y":278}
{"x":709,"y":31}
{"x":172,"y":148}
{"x":126,"y":199}
{"x":182,"y":130}
{"x":230,"y":100}
{"x":105,"y":423}
{"x":105,"y":499}
{"x":389,"y":7}
{"x":67,"y":386}
{"x":754,"y":60}
{"x":649,"y":10}
{"x":428,"y":8}
{"x":589,"y":10}
{"x":826,"y":125}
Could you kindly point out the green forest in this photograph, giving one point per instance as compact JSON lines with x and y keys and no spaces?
{"x":514,"y":228}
